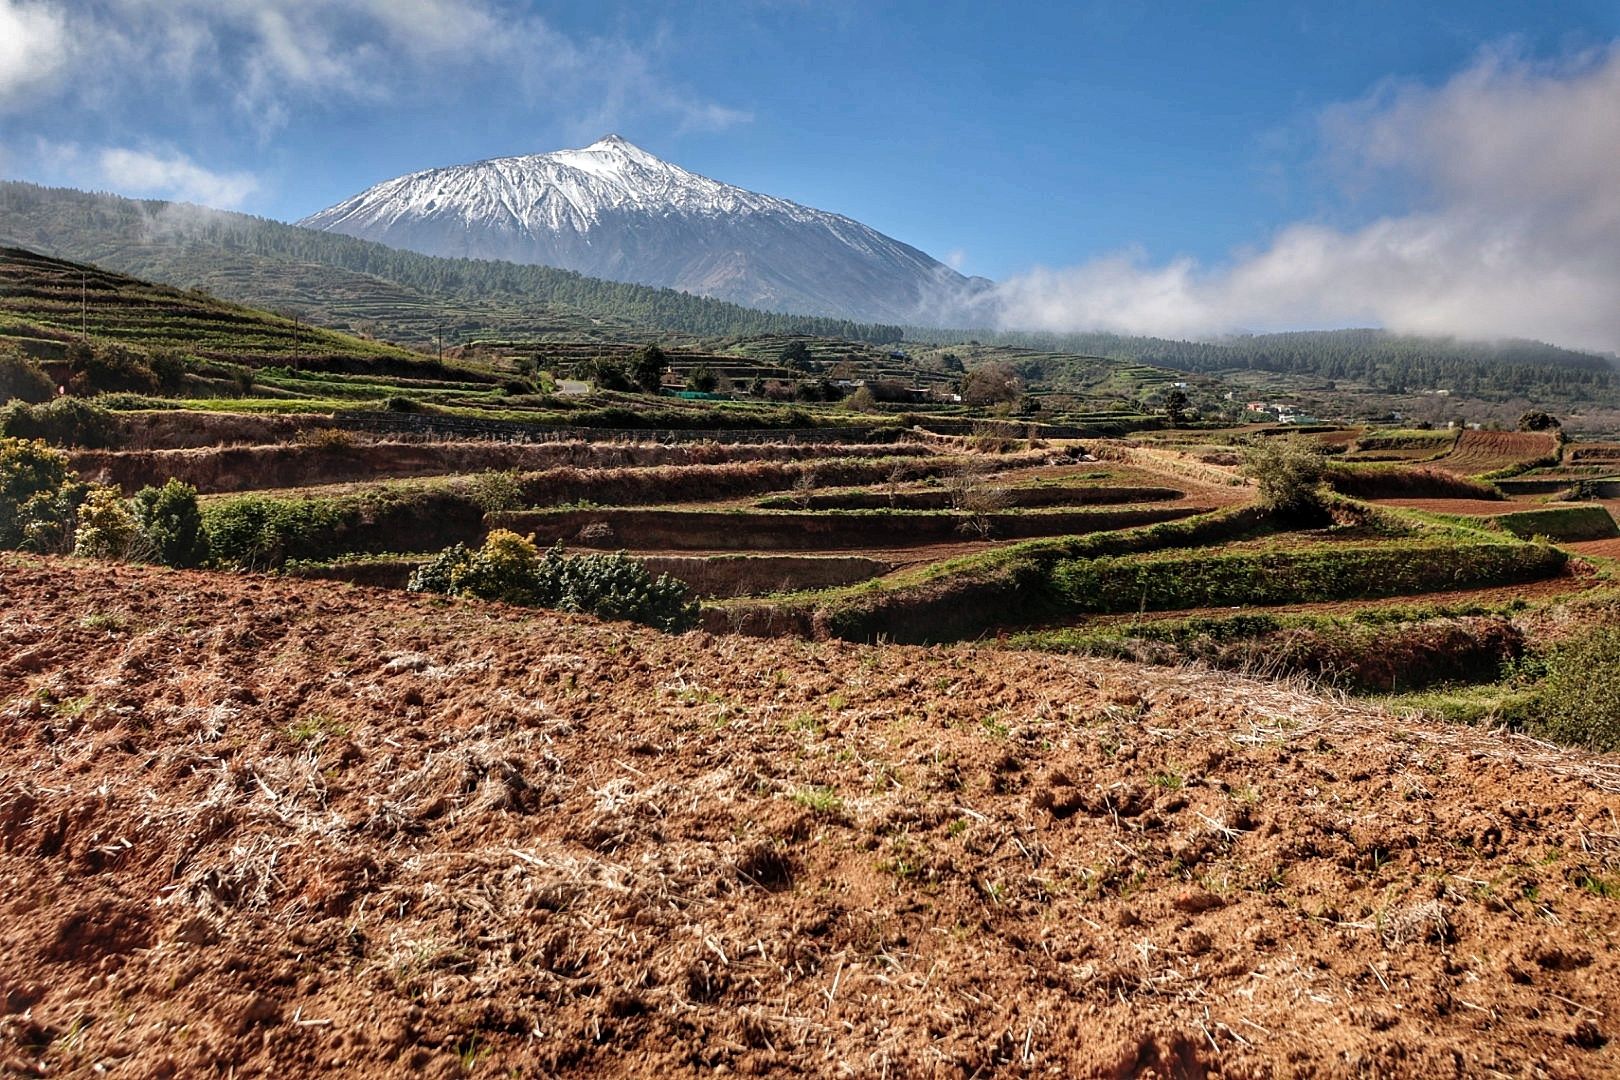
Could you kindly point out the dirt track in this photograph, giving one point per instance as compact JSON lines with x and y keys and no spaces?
{"x":255,"y":826}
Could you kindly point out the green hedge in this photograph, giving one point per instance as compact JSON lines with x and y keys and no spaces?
{"x":263,"y":532}
{"x":1337,"y":572}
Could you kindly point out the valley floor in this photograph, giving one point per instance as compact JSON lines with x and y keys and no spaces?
{"x":255,"y":826}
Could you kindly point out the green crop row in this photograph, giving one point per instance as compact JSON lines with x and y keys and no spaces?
{"x":1204,"y":579}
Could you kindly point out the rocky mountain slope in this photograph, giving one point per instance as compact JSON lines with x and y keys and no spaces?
{"x":613,"y":210}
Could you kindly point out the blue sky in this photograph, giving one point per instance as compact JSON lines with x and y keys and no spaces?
{"x":1012,"y":139}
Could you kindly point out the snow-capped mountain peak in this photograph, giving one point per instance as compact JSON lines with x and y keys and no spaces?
{"x":613,"y":210}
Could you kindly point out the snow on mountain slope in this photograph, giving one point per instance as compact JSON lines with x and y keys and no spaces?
{"x":612,"y":210}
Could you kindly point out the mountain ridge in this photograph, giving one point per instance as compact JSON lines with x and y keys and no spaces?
{"x":615,"y":211}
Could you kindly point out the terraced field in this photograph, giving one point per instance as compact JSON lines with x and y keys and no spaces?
{"x":1480,"y":452}
{"x":280,"y":815}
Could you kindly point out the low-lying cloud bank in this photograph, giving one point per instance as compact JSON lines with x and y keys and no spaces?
{"x":1514,"y":169}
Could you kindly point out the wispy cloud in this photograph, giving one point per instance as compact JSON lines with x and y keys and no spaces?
{"x":1514,"y":228}
{"x":174,"y":176}
{"x":158,"y":172}
{"x":33,"y":49}
{"x":264,"y":61}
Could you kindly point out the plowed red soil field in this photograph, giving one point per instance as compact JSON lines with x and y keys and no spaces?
{"x":1486,"y":451}
{"x":263,"y":827}
{"x":1609,"y":549}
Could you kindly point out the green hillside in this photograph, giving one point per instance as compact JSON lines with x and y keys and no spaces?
{"x":47,"y":305}
{"x":117,"y":343}
{"x":365,"y":287}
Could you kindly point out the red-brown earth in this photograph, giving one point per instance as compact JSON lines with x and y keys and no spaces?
{"x":256,"y":826}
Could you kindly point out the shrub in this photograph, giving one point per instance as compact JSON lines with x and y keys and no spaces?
{"x":327,"y":438}
{"x":1288,"y":472}
{"x":497,"y":490}
{"x":170,"y":367}
{"x":862,"y":400}
{"x":64,"y":422}
{"x":1577,"y":703}
{"x":110,"y":367}
{"x":512,"y":569}
{"x":22,"y":379}
{"x":256,"y":532}
{"x":171,"y":524}
{"x":107,"y":529}
{"x":38,"y":496}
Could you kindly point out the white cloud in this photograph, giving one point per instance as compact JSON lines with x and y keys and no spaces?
{"x":174,"y":176}
{"x":33,"y":49}
{"x":265,"y":60}
{"x":1513,"y":170}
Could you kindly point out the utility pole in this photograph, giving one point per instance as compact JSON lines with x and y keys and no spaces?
{"x":84,"y":303}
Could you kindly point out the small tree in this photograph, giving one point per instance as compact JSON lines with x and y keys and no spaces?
{"x":606,"y":373}
{"x":1539,"y":420}
{"x":796,"y":356}
{"x":992,"y":384}
{"x":1288,"y":471}
{"x":804,"y":488}
{"x":703,"y":380}
{"x":1175,"y":406}
{"x":648,"y":368}
{"x":862,"y":400}
{"x":972,"y":492}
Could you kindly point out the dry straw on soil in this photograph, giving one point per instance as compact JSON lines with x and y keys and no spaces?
{"x":261,"y":826}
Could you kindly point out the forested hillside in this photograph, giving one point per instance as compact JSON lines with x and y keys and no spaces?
{"x":1391,"y":363}
{"x":341,"y":281}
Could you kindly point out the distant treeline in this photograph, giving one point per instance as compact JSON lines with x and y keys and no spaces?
{"x":1394,"y":363}
{"x":139,"y":237}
